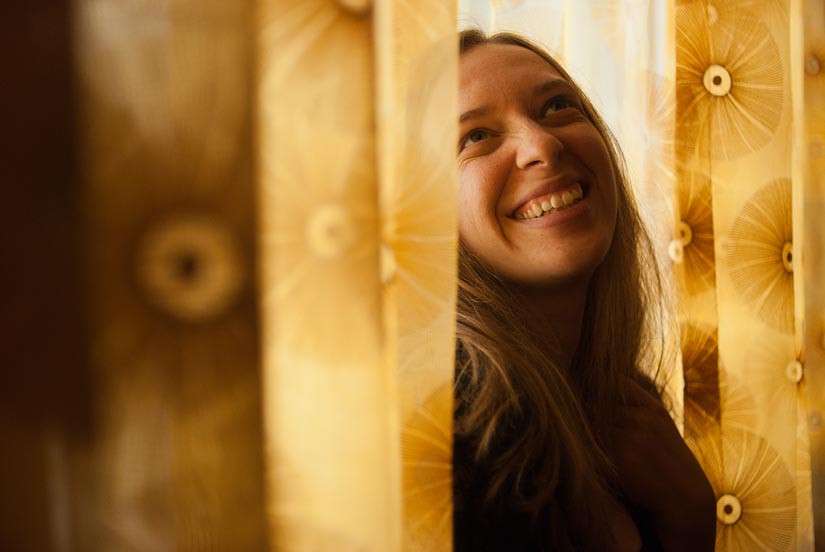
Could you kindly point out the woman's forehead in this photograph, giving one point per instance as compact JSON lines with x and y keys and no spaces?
{"x":493,"y":69}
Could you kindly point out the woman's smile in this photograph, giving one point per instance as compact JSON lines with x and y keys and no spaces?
{"x":550,"y":202}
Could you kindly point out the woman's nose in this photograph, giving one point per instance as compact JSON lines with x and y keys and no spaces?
{"x":537,"y":146}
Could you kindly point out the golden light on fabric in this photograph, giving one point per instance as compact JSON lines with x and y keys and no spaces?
{"x":739,"y":407}
{"x":325,"y":379}
{"x":676,"y":251}
{"x":757,"y":255}
{"x":717,"y":80}
{"x":416,"y":72}
{"x":427,"y":450}
{"x":359,"y":228}
{"x":728,"y":509}
{"x":756,"y":496}
{"x":165,"y":168}
{"x":330,"y":231}
{"x":356,"y":7}
{"x":695,"y":231}
{"x":812,"y":65}
{"x":794,"y":371}
{"x":190,"y":267}
{"x":700,"y":362}
{"x":729,"y":81}
{"x":266,"y":204}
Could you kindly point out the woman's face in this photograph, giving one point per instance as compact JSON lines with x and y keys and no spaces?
{"x":537,"y":193}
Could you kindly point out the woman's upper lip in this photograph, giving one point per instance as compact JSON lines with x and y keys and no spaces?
{"x":546,"y":188}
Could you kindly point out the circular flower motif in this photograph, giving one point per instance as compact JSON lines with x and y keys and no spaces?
{"x":717,"y":80}
{"x":676,"y":251}
{"x":330,"y":231}
{"x":759,"y":255}
{"x":189,"y":267}
{"x":167,"y":129}
{"x":684,"y":233}
{"x":787,"y":256}
{"x":729,"y":81}
{"x":695,"y":231}
{"x":728,"y":509}
{"x":794,"y":371}
{"x":756,"y":497}
{"x":321,"y":230}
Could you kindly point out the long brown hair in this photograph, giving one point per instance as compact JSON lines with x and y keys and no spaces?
{"x":536,"y":426}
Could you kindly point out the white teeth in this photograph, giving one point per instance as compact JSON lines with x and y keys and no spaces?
{"x":577,"y":192}
{"x":556,"y":202}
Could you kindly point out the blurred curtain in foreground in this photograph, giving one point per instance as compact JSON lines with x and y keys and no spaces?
{"x":231,"y":305}
{"x":720,"y":108}
{"x":358,"y":248}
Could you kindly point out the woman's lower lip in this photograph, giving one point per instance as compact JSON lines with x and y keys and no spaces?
{"x":555,"y":218}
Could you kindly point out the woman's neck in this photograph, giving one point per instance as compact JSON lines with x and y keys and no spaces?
{"x":554,"y":315}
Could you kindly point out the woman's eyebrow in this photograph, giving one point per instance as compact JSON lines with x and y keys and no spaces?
{"x":553,"y":84}
{"x":473,"y":114}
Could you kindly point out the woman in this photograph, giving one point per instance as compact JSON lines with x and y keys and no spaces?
{"x":562,"y":442}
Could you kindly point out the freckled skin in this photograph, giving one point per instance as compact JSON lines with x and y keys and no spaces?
{"x":523,"y":144}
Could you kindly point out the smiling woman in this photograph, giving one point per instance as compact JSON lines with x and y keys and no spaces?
{"x":561,"y":439}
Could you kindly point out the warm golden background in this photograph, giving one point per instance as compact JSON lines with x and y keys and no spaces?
{"x":229,"y":260}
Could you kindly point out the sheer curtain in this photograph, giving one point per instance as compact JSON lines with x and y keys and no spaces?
{"x":264,"y":208}
{"x":269,"y":203}
{"x":358,"y":232}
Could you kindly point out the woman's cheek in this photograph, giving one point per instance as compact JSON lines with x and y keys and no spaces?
{"x":471,"y":182}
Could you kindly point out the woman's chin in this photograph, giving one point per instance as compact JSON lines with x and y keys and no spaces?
{"x":571,"y":277}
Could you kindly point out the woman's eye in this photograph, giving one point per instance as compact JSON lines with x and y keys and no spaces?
{"x":473,"y":137}
{"x":557,"y":104}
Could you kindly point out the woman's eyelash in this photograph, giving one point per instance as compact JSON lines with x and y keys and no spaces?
{"x":567,"y":102}
{"x":475,"y":131}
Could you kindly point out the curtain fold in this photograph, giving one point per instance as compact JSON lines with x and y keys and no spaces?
{"x":172,"y":458}
{"x":267,"y":250}
{"x":357,"y":209}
